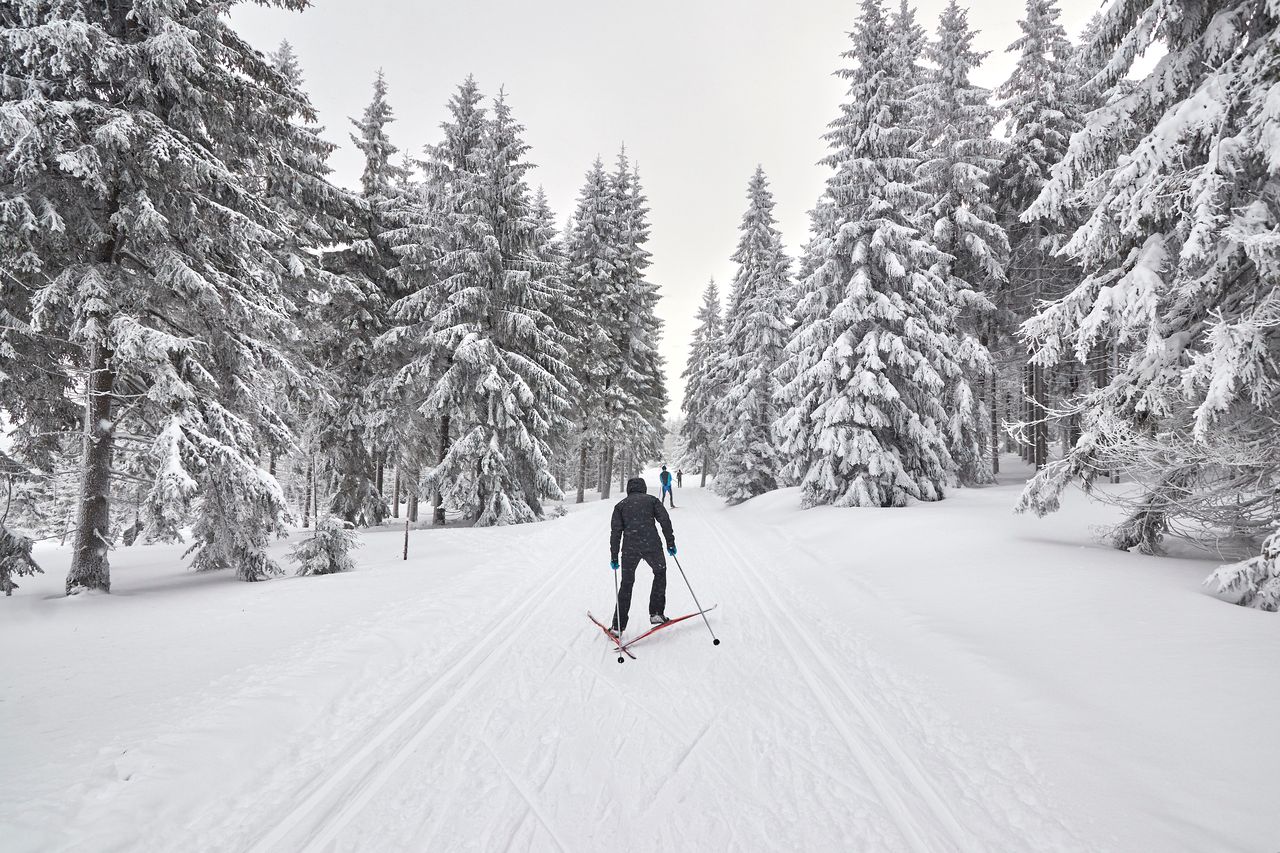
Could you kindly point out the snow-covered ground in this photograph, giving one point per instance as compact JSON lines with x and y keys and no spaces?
{"x":944,"y":678}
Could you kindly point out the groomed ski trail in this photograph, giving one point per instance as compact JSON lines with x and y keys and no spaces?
{"x":350,"y":787}
{"x":824,"y":680}
{"x":516,"y":729}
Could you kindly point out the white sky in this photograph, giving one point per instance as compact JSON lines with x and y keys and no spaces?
{"x":700,"y":91}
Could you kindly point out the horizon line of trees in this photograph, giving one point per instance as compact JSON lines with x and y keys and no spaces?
{"x":1106,"y":272}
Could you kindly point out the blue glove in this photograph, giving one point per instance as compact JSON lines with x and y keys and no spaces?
{"x":613,"y":564}
{"x":672,"y":550}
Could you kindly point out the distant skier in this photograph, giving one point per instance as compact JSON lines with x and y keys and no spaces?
{"x":632,"y":527}
{"x":665,"y":479}
{"x":679,"y":479}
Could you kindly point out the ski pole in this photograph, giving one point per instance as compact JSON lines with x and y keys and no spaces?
{"x":715,"y":641}
{"x":617,"y":614}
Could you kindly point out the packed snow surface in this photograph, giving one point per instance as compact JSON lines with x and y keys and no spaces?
{"x":948,"y":677}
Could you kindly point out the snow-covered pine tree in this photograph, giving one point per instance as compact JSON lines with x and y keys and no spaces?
{"x":959,"y":159}
{"x":1039,"y":100}
{"x":549,"y":277}
{"x":592,"y":259}
{"x":872,"y":352}
{"x":139,"y":136}
{"x":755,"y":334}
{"x":499,"y":377}
{"x":15,"y":550}
{"x":911,"y":44}
{"x":640,"y":404}
{"x":703,"y":377}
{"x":1183,"y":178}
{"x":421,"y":243}
{"x":36,"y":407}
{"x":15,"y":559}
{"x":348,"y":433}
{"x":328,"y":550}
{"x":1254,"y":582}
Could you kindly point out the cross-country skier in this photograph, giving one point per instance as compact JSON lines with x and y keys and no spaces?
{"x":665,"y":479}
{"x":679,"y":478}
{"x":633,"y":529}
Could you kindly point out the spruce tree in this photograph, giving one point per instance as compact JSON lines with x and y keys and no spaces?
{"x":15,"y":549}
{"x":872,"y":352}
{"x":910,"y":44}
{"x":150,"y":139}
{"x":960,"y":157}
{"x":755,"y":335}
{"x":350,"y":429}
{"x":592,"y":278}
{"x":326,"y":551}
{"x":422,"y":242}
{"x":500,"y":379}
{"x":1039,"y":101}
{"x":703,"y":377}
{"x":567,"y":322}
{"x":1181,"y":175}
{"x":640,"y":398}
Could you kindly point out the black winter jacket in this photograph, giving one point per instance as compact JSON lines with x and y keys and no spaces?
{"x":635,"y":515}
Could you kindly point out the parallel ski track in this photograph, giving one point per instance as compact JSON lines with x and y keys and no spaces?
{"x":338,"y":798}
{"x":829,"y":687}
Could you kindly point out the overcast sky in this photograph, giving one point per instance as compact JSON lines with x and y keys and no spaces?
{"x":700,"y":91}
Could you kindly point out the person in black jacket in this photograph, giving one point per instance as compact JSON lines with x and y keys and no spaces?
{"x":633,"y":529}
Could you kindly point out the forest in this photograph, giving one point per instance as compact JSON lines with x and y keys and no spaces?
{"x":204,"y":339}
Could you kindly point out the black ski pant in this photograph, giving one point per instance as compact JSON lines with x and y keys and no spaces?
{"x":657,"y":595}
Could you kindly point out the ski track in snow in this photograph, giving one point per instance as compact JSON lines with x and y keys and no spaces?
{"x":993,"y":783}
{"x":530,"y":788}
{"x":824,"y":680}
{"x":371,"y":768}
{"x":521,"y":732}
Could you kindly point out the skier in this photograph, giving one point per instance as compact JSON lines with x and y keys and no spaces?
{"x":679,"y":478}
{"x":633,"y":528}
{"x":665,"y":479}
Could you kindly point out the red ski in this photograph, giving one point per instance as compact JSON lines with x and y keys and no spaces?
{"x":612,"y":639}
{"x":625,"y":646}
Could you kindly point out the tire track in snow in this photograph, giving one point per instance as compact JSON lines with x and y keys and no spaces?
{"x":919,"y":836}
{"x":368,"y":769}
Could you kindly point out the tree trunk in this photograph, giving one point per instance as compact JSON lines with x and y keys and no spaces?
{"x":90,"y":566}
{"x":1026,"y":449}
{"x":411,"y":508}
{"x":995,"y":422}
{"x":582,"y":470}
{"x":395,"y":498}
{"x":1102,"y":372}
{"x":310,"y":490}
{"x":378,"y":476}
{"x":706,"y":463}
{"x":1041,"y":415}
{"x":1113,"y":362}
{"x":444,"y":450}
{"x":315,"y":487}
{"x":606,"y":473}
